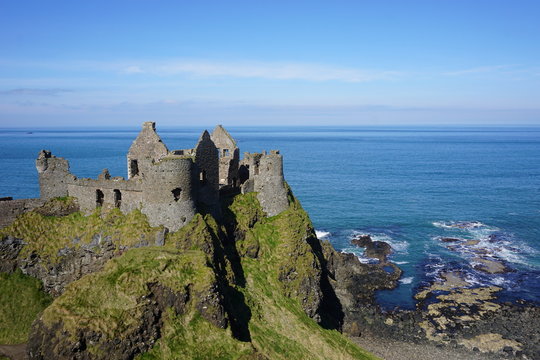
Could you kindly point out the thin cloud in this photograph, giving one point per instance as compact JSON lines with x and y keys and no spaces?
{"x":262,"y":70}
{"x":477,"y":70}
{"x":34,"y":92}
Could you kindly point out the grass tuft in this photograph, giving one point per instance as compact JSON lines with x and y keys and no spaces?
{"x":21,"y":299}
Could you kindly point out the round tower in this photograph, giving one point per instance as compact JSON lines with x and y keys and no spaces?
{"x":168,"y":192}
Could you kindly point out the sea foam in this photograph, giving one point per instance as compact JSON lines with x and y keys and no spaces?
{"x":322,"y":234}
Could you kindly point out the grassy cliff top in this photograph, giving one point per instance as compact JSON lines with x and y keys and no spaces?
{"x":46,"y":235}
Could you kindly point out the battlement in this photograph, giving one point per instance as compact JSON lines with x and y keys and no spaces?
{"x":170,"y":187}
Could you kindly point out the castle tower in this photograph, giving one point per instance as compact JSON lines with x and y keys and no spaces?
{"x":229,"y":156}
{"x":168,"y":190}
{"x":145,"y":150}
{"x":207,"y":164}
{"x":264,"y":174}
{"x":53,"y":175}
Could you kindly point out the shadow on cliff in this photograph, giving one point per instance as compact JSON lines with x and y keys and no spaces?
{"x":238,"y":312}
{"x":331,"y":312}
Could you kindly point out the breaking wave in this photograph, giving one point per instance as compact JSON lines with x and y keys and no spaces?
{"x":322,"y":234}
{"x":406,"y":280}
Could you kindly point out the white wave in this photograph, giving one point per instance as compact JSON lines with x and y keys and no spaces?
{"x":400,"y":262}
{"x":462,"y":225}
{"x":406,"y":280}
{"x":500,"y":281}
{"x":322,"y":234}
{"x":397,"y":245}
{"x":359,"y":253}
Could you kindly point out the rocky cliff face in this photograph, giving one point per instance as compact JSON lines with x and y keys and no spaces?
{"x":252,"y":285}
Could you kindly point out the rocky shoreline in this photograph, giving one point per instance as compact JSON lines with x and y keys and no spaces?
{"x":455,"y":315}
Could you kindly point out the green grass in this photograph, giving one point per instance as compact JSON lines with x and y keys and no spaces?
{"x":109,"y":302}
{"x":21,"y":299}
{"x":192,"y":337}
{"x":47,"y":235}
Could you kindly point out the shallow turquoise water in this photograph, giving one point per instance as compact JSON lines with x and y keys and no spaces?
{"x":402,"y":185}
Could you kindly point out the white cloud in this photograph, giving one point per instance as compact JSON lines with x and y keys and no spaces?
{"x":263,"y":70}
{"x":478,"y":70}
{"x":133,"y":70}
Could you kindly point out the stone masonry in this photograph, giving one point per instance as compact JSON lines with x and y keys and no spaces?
{"x":170,"y":187}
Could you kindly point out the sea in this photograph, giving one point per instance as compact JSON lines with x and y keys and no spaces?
{"x":408,"y":186}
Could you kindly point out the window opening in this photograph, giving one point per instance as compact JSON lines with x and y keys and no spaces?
{"x":99,"y":198}
{"x":176,"y":194}
{"x":133,"y":167}
{"x":117,"y":198}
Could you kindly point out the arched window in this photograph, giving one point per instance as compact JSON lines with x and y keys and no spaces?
{"x":117,"y":198}
{"x":99,"y":198}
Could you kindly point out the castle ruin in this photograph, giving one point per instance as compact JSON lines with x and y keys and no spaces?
{"x":171,"y":186}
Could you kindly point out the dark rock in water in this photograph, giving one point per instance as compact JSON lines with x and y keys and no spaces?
{"x":374,"y":249}
{"x":378,"y":250}
{"x":362,"y":240}
{"x":449,"y":239}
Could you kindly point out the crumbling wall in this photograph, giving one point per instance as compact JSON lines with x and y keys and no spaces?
{"x":116,"y":192}
{"x":270,"y":184}
{"x":145,"y":150}
{"x":229,"y":156}
{"x":54,"y":175}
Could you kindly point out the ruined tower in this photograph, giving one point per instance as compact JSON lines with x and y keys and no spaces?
{"x":145,"y":150}
{"x":207,"y":165}
{"x":229,"y":157}
{"x":53,"y":175}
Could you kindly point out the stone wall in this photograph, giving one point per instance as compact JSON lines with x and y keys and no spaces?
{"x":266,"y":178}
{"x":126,"y":195}
{"x":168,"y":193}
{"x":229,"y":156}
{"x":270,"y":184}
{"x":207,"y":162}
{"x":146,"y":149}
{"x":53,"y":175}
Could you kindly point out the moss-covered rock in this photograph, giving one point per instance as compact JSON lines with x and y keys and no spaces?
{"x":60,"y":249}
{"x":117,"y":313}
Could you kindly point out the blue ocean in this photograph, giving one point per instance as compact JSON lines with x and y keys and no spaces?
{"x":408,"y":186}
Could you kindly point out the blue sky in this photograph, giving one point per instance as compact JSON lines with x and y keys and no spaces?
{"x":117,"y":63}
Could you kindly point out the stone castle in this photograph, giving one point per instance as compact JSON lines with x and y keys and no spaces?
{"x":171,"y":186}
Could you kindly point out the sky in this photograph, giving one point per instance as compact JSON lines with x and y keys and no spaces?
{"x":190,"y":63}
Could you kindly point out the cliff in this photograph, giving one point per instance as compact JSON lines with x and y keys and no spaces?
{"x":249,"y":286}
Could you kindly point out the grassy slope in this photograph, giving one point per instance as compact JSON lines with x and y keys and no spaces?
{"x":21,"y":299}
{"x":278,"y":327}
{"x":106,"y":301}
{"x":46,"y":235}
